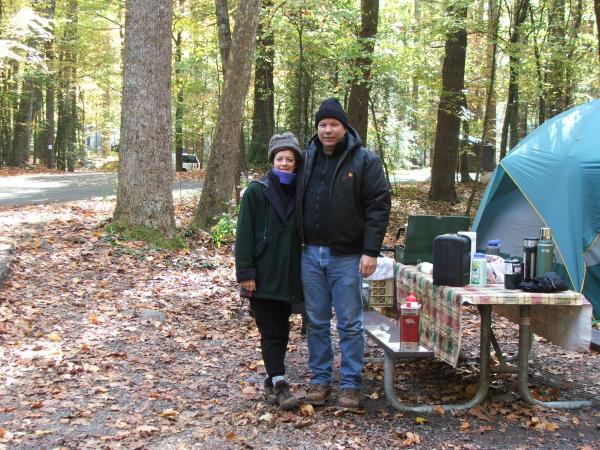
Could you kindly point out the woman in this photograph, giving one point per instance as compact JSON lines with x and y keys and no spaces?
{"x":267,"y":260}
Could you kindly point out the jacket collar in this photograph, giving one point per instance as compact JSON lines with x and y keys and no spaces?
{"x":274,"y":194}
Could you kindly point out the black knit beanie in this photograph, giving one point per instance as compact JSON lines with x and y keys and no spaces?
{"x":284,"y":141}
{"x":331,"y":108}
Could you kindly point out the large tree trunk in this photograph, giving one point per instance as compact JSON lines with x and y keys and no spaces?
{"x":263,"y":119}
{"x":554,"y":86}
{"x":358,"y":105}
{"x":221,"y":173}
{"x":572,"y":46}
{"x":448,"y":117}
{"x":23,"y":120}
{"x":144,"y":196}
{"x":66,"y":127}
{"x":510,"y":136}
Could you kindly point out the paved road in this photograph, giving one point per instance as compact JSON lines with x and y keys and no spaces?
{"x":50,"y":188}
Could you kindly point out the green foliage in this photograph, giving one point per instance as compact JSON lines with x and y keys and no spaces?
{"x":118,"y":234}
{"x":223,"y":231}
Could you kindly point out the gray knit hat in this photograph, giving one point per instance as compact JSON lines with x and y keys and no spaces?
{"x":284,"y":141}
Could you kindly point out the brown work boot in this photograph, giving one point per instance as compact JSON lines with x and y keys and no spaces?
{"x":317,"y":394}
{"x":349,"y":398}
{"x":284,"y":397}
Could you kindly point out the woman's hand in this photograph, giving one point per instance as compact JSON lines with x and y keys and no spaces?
{"x":249,"y":285}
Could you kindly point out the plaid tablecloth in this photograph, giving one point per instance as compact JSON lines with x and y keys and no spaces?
{"x":563,"y":318}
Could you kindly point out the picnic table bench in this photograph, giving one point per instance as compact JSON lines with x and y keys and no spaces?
{"x":442,"y":329}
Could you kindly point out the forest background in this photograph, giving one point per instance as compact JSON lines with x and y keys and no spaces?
{"x":415,"y":76}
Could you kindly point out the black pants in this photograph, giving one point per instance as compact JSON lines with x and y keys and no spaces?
{"x":273,"y":322}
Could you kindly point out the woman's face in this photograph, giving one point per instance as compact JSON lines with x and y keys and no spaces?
{"x":285,"y":160}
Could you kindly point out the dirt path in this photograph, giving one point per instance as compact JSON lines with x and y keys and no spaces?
{"x":109,"y":344}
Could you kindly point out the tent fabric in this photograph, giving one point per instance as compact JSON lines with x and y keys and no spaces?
{"x":552,"y":178}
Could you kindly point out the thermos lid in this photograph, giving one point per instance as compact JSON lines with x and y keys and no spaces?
{"x":479,"y":256}
{"x":545,"y":233}
{"x":494,"y":243}
{"x":530,"y":242}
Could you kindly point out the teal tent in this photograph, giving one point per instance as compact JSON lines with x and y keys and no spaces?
{"x":551,"y":178}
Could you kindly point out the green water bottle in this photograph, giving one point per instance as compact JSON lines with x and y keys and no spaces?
{"x":545,"y":252}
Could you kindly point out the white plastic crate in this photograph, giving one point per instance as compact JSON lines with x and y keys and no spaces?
{"x":382,"y":293}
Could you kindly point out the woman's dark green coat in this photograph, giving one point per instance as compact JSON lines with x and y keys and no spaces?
{"x":266,"y":244}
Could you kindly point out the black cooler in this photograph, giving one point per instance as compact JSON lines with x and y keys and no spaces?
{"x":451,"y":260}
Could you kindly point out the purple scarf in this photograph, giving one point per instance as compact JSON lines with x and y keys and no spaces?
{"x":284,"y":177}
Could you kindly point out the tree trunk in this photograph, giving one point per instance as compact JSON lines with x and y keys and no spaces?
{"x":554,"y":76}
{"x":571,"y":47}
{"x":510,"y":136}
{"x":358,"y":106}
{"x":178,"y":106}
{"x":144,"y":196}
{"x":66,"y":127}
{"x":492,"y":50}
{"x":448,"y":117}
{"x":224,"y":31}
{"x":22,"y":128}
{"x":221,"y":173}
{"x":263,"y":119}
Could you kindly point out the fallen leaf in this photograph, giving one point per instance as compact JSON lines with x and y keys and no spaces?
{"x":465,"y":425}
{"x":41,"y":433}
{"x":230,"y":436}
{"x":147,"y":430}
{"x":420,"y":420}
{"x":54,"y":336}
{"x":169,"y":413}
{"x":439,"y":409}
{"x":37,"y":405}
{"x":575,"y":421}
{"x":307,"y":410}
{"x":551,"y":426}
{"x":265,"y":417}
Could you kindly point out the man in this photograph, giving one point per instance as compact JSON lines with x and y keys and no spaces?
{"x":344,"y":206}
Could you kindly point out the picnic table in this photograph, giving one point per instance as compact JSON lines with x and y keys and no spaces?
{"x":563,"y":318}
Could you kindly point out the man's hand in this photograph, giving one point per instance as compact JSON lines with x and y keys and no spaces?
{"x":249,"y":285}
{"x":367,"y":265}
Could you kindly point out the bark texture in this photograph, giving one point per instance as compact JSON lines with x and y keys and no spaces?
{"x":144,"y":196}
{"x":263,"y":119}
{"x":358,"y":105}
{"x":222,"y":165}
{"x":447,"y":132}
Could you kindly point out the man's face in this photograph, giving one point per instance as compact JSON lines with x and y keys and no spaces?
{"x":330,"y":131}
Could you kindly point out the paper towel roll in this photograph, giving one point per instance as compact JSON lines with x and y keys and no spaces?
{"x":473,"y":237}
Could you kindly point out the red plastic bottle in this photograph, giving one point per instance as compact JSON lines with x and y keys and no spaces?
{"x":410,"y":331}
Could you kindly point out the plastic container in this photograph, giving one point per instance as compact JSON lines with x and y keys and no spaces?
{"x":410,"y":323}
{"x":478,"y":270}
{"x":493,"y":247}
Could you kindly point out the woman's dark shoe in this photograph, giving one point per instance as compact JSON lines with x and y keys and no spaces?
{"x":270,"y":396}
{"x":285,"y":399}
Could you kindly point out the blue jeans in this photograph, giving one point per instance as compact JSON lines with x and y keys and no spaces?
{"x":333,"y":281}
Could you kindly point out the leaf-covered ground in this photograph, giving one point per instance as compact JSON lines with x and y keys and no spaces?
{"x":110,"y":344}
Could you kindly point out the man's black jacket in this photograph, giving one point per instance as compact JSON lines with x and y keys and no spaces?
{"x":360,"y":198}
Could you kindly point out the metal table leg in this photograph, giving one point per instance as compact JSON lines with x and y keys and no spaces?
{"x":485,"y":312}
{"x":524,"y":347}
